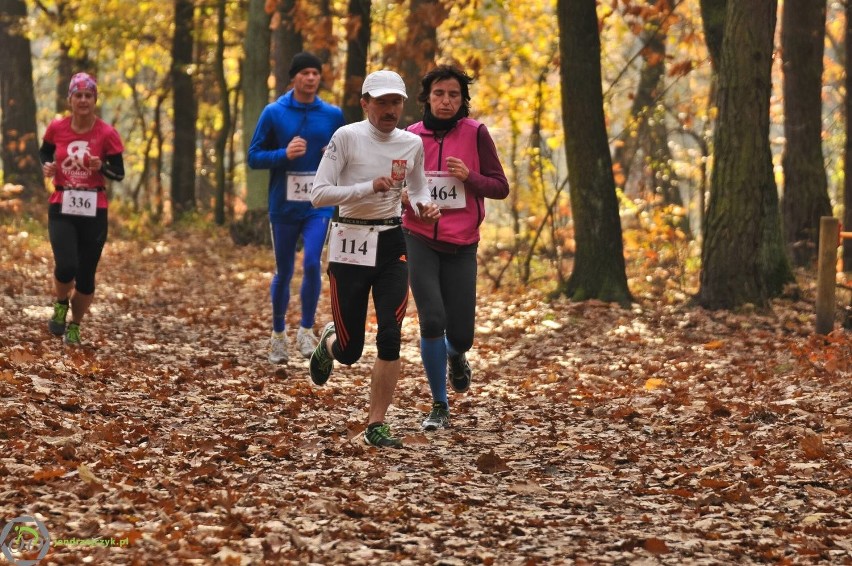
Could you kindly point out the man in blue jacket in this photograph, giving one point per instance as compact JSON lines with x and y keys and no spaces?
{"x":289,"y":140}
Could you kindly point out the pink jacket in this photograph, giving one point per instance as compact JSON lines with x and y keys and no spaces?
{"x":470,"y":141}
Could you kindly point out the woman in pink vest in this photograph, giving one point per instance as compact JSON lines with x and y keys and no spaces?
{"x":462,"y":169}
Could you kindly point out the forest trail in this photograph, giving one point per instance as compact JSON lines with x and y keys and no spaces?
{"x":592,"y":434}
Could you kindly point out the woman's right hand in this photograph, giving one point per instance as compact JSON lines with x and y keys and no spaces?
{"x":49,"y":169}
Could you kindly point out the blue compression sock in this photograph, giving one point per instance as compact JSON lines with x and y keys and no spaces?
{"x":433,"y":352}
{"x":450,"y":350}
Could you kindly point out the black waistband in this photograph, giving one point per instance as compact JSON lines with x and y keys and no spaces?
{"x":396,"y":221}
{"x":97,"y":189}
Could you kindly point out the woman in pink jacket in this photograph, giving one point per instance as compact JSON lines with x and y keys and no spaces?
{"x":462,"y":169}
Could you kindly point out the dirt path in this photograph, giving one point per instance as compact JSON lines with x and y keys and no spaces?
{"x":591,"y":435}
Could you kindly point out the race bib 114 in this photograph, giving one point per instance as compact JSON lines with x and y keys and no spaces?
{"x":355,"y":245}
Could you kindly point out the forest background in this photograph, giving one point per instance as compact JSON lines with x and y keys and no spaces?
{"x":184,"y":82}
{"x":650,"y":148}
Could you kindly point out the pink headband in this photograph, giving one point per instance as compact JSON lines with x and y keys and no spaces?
{"x":83,"y":81}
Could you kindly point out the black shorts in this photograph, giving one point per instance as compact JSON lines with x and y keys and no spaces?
{"x":350,"y":287}
{"x":77,"y":243}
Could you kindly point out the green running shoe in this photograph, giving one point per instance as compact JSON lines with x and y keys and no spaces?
{"x":72,"y":334}
{"x":321,"y":361}
{"x":379,"y":435}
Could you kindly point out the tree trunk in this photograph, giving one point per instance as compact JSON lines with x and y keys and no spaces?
{"x":208,"y":95}
{"x":18,"y":126}
{"x":847,"y":161}
{"x":66,"y":15}
{"x":743,"y":254}
{"x":418,"y":53}
{"x":68,"y":67}
{"x":647,"y":130}
{"x":253,"y":227}
{"x":645,"y":101}
{"x":224,"y":107}
{"x":232,"y":151}
{"x":599,"y":271}
{"x":805,"y":184}
{"x":287,"y":41}
{"x":664,"y":178}
{"x":323,"y":40}
{"x":159,"y":198}
{"x":255,"y":96}
{"x":713,"y":17}
{"x":358,"y":45}
{"x":185,"y":111}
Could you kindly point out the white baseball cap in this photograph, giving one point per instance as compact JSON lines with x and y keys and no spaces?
{"x":381,"y":83}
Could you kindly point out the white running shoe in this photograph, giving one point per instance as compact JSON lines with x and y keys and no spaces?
{"x":306,"y":341}
{"x":278,"y":348}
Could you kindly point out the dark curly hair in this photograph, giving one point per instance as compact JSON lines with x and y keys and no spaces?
{"x":444,"y":72}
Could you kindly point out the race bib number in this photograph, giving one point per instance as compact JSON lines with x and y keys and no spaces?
{"x":300,"y":185}
{"x":80,"y":203}
{"x":355,"y":245}
{"x":446,"y":191}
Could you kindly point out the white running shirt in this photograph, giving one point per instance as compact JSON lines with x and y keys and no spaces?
{"x":359,"y":153}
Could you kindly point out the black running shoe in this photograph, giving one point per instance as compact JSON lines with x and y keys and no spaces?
{"x":458,"y":371}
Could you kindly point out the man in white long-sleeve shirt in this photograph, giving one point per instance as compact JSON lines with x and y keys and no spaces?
{"x":364,"y":169}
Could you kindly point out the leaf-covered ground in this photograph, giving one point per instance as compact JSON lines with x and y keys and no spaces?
{"x":661,"y":434}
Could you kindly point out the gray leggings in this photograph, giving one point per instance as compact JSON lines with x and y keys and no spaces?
{"x":444,"y":289}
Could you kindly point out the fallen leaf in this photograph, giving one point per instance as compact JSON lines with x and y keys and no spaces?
{"x":813,"y":447}
{"x":48,"y":474}
{"x":491,"y":463}
{"x":656,"y":546}
{"x":527,"y":488}
{"x":86,"y":474}
{"x":21,"y":357}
